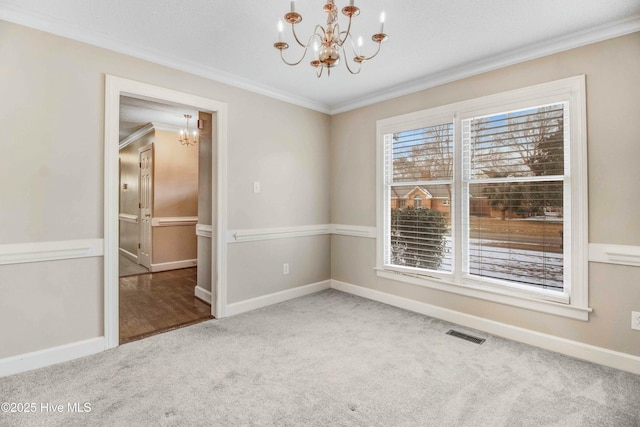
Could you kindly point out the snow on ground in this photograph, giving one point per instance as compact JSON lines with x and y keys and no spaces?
{"x":499,"y":262}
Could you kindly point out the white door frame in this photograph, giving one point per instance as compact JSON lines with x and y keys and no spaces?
{"x":114,"y":88}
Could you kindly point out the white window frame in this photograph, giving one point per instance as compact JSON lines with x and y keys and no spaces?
{"x":574,"y":303}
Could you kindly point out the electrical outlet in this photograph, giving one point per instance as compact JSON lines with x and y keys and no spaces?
{"x":635,"y":320}
{"x":285,"y":268}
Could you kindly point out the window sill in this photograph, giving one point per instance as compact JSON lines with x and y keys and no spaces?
{"x":492,"y":295}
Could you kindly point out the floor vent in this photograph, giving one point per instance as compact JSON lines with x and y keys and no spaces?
{"x":466,"y":337}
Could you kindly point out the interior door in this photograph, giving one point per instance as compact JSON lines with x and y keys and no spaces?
{"x":146,"y":202}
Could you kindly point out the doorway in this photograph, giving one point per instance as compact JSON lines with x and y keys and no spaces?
{"x":215,"y":292}
{"x":160,"y":185}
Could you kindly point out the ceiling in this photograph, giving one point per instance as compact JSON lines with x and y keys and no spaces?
{"x":430,"y":42}
{"x":136,"y":113}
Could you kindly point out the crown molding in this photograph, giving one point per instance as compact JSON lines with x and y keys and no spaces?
{"x":527,"y":53}
{"x":53,"y":26}
{"x":149,"y":127}
{"x":136,"y":135}
{"x":533,"y":51}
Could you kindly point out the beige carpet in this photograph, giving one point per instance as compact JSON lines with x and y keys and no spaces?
{"x":328,"y":359}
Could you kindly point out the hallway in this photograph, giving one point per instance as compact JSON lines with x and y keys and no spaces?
{"x":158,"y":302}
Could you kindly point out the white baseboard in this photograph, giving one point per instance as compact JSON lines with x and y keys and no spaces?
{"x":266,"y":300}
{"x":174,"y":265}
{"x":129,"y":255}
{"x":202,"y":294}
{"x":602,"y":356}
{"x":50,"y":356}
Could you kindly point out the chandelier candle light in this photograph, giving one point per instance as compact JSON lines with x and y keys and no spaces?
{"x":186,"y":136}
{"x":327,"y":42}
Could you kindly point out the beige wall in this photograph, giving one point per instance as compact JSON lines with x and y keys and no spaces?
{"x":306,"y":265}
{"x":42,"y":303}
{"x":175,"y":177}
{"x":51,"y":179}
{"x":175,"y":194}
{"x":613,"y":108}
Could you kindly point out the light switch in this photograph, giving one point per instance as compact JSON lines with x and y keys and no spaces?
{"x":256,"y":186}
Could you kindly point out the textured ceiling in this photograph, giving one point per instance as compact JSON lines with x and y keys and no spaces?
{"x":232,"y":41}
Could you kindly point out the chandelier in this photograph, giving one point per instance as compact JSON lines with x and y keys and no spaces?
{"x":328,"y":42}
{"x":188,"y":137}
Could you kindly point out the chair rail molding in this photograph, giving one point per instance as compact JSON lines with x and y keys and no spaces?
{"x":204,"y":230}
{"x":354,"y":230}
{"x":18,"y":253}
{"x":614,"y":254}
{"x":248,"y":235}
{"x":128,"y":218}
{"x":173,"y":221}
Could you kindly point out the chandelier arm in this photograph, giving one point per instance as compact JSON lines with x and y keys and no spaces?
{"x":318,"y":34}
{"x":293,"y":63}
{"x":350,"y":38}
{"x":366,"y":58}
{"x":295,"y":36}
{"x":346,"y":63}
{"x":346,"y":33}
{"x":315,"y":34}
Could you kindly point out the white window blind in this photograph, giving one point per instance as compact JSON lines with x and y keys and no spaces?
{"x":514,"y":193}
{"x":419,"y":177}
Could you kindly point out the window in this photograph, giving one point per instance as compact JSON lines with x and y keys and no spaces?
{"x":515,"y":169}
{"x":510,"y":170}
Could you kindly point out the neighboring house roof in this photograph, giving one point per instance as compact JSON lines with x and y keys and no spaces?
{"x":415,"y":191}
{"x":404,"y":192}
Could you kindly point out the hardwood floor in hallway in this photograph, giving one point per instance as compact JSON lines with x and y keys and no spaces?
{"x":158,"y":302}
